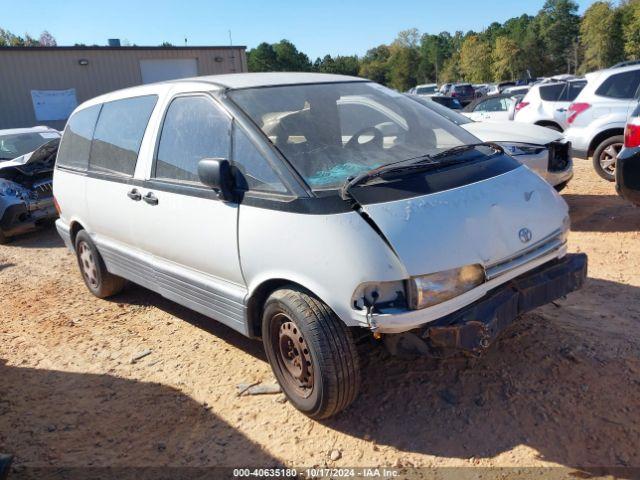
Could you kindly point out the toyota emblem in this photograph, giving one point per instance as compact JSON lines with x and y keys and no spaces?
{"x":525,"y":235}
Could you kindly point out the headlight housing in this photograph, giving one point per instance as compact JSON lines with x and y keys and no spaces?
{"x":428,"y":290}
{"x":514,"y":149}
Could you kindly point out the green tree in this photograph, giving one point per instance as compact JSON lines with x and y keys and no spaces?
{"x":631,"y":29}
{"x":262,"y":58}
{"x":559,"y":28}
{"x":289,"y":58}
{"x":47,"y":40}
{"x":374,"y":65}
{"x":475,"y":59}
{"x":601,"y":37}
{"x":404,"y":60}
{"x":451,"y":71}
{"x":507,"y":59}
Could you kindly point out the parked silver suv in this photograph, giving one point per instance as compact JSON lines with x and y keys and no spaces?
{"x":597,"y":117}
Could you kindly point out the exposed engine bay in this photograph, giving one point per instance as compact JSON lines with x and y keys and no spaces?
{"x":26,"y":191}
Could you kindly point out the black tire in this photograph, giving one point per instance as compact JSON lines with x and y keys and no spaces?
{"x":297,"y":325}
{"x":93,"y":270}
{"x":561,"y":186}
{"x":604,"y":157}
{"x":3,"y":238}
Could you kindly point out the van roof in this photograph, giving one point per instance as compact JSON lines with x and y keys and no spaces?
{"x":268,"y":79}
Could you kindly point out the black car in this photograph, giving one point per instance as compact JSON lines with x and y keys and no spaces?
{"x":628,"y":161}
{"x":449,"y":102}
{"x":464,"y":92}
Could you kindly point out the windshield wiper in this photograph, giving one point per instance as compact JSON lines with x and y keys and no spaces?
{"x":464,"y":148}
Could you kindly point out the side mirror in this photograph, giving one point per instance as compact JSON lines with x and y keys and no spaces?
{"x":216,"y":173}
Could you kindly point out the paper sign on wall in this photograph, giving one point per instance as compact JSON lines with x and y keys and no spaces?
{"x":53,"y":104}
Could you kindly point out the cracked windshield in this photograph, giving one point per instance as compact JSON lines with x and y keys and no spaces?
{"x":331,"y":132}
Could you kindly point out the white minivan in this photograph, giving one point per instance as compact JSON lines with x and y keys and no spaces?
{"x":310,"y":211}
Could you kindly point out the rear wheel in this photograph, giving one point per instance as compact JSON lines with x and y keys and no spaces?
{"x":311,"y":352}
{"x":94,"y":272}
{"x":604,"y":157}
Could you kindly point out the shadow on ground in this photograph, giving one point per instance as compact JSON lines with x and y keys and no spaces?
{"x":602,"y":213}
{"x":90,"y":418}
{"x":46,"y":237}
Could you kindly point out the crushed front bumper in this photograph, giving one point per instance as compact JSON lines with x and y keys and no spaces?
{"x":471,"y":330}
{"x":23,"y":217}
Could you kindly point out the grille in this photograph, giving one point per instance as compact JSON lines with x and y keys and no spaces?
{"x":559,"y":156}
{"x":538,"y":249}
{"x":43,"y":189}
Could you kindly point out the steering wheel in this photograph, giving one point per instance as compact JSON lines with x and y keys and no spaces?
{"x":376,"y":141}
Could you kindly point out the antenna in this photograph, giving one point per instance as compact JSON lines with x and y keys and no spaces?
{"x":230,"y":39}
{"x":185,"y":41}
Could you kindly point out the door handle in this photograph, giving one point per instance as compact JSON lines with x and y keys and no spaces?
{"x":150,"y":198}
{"x":134,"y":195}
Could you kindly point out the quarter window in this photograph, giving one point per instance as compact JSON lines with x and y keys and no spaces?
{"x":118,"y":135}
{"x":256,"y":172}
{"x":76,"y":142}
{"x":194,"y":128}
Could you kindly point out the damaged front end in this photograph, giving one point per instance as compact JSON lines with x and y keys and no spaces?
{"x":471,"y":330}
{"x":26,"y":191}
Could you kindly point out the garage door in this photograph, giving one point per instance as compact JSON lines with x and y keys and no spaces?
{"x":168,"y":69}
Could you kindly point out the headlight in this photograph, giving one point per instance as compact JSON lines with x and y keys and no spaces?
{"x":428,"y":290}
{"x":11,"y":189}
{"x":515,"y":149}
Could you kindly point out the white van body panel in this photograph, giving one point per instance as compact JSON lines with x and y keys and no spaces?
{"x":328,"y":254}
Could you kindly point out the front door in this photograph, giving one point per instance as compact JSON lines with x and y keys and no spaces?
{"x":190,"y":234}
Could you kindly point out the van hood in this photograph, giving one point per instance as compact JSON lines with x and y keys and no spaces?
{"x":475,"y":223}
{"x":512,"y":132}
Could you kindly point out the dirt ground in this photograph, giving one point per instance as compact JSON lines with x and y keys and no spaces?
{"x":561,"y":387}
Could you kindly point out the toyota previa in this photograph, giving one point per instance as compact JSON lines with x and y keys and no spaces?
{"x":310,"y":211}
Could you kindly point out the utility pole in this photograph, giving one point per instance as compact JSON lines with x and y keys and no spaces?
{"x":230,"y":39}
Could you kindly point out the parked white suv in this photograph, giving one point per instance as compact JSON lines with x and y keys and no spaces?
{"x":597,"y":117}
{"x":304,"y":208}
{"x":546,"y":104}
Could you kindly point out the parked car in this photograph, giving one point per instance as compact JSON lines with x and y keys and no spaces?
{"x":481,"y":89}
{"x":497,"y":88}
{"x":597,"y":117}
{"x":449,"y":102}
{"x":26,"y":193}
{"x":519,"y":90}
{"x":445,"y":89}
{"x":546,"y":103}
{"x":299,"y":208}
{"x":25,"y":182}
{"x":426,"y":89}
{"x":464,"y":92}
{"x":542,"y":150}
{"x":495,"y":108}
{"x":628,"y":161}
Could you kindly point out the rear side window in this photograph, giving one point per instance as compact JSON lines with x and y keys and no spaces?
{"x":118,"y":135}
{"x":573,"y":89}
{"x":552,"y":93}
{"x":76,"y":142}
{"x":194,"y":128}
{"x":621,"y":85}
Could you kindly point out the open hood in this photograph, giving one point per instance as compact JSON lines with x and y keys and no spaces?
{"x":475,"y":223}
{"x":43,"y":153}
{"x":512,"y":132}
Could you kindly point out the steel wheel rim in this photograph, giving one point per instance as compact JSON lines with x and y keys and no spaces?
{"x":292,"y":355}
{"x":608,"y":158}
{"x":88,"y":265}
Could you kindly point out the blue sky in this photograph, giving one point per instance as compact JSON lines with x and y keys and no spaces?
{"x":316,"y":27}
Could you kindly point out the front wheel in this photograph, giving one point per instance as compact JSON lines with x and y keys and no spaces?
{"x":311,"y":352}
{"x":605,"y":155}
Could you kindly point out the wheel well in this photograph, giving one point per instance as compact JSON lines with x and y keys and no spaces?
{"x":602,"y":136}
{"x":256,"y":302}
{"x":549,"y":123}
{"x":73,"y":231}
